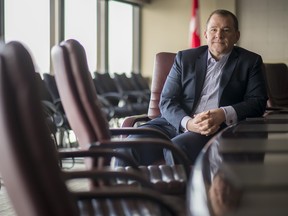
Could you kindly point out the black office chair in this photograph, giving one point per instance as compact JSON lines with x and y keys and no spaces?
{"x":106,"y":89}
{"x":132,"y":101}
{"x":138,"y":99}
{"x":141,"y":84}
{"x":49,"y":84}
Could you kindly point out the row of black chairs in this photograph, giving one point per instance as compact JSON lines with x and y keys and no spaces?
{"x":119,"y":98}
{"x":53,"y":109}
{"x":127,"y":95}
{"x":51,"y":88}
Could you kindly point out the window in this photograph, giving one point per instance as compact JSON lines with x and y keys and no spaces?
{"x":39,"y":27}
{"x":81,"y":24}
{"x":120,"y":37}
{"x":29,"y":23}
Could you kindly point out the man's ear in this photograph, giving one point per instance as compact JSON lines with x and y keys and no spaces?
{"x":205,"y":34}
{"x":237,"y":36}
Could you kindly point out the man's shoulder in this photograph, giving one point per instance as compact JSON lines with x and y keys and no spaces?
{"x":196,"y":50}
{"x":192,"y":52}
{"x":245,"y":52}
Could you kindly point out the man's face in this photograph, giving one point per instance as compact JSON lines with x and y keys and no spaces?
{"x":221,"y":35}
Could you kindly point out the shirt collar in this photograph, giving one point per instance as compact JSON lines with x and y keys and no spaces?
{"x":211,"y":59}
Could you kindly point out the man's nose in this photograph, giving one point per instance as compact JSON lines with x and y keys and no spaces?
{"x":219,"y":34}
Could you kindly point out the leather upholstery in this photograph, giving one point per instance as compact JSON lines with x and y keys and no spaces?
{"x":277,"y":84}
{"x":28,"y":160}
{"x":162,"y":65}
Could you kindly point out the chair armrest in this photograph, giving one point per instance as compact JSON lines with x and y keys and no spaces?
{"x":273,"y":108}
{"x":142,"y":131}
{"x":136,"y":96}
{"x":57,"y":101}
{"x":131,"y":193}
{"x":108,"y":174}
{"x":130,"y":121}
{"x":113,"y":97}
{"x":52,"y":110}
{"x":131,"y":176}
{"x":49,"y":106}
{"x":132,"y":143}
{"x":96,"y":153}
{"x":269,"y":112}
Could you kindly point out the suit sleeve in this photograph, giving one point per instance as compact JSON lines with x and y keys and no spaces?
{"x":255,"y":97}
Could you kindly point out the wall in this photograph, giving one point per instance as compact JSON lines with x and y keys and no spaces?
{"x":165,"y":26}
{"x":264,"y":28}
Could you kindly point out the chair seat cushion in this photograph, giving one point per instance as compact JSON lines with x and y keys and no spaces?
{"x":165,"y":178}
{"x":120,"y":207}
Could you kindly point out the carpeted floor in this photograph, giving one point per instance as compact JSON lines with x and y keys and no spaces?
{"x":6,"y":208}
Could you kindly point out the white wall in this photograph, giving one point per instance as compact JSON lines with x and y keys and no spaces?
{"x":165,"y":27}
{"x":264,"y":28}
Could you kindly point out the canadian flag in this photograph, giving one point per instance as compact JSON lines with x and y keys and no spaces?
{"x":194,"y":25}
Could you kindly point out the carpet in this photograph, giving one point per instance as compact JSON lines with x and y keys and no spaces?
{"x":6,"y":208}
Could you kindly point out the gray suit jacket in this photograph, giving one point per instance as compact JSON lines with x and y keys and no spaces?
{"x":242,"y":85}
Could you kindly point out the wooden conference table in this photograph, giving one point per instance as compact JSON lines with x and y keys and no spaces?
{"x":243,"y":170}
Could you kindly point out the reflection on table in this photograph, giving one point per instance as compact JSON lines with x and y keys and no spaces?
{"x":243,"y":171}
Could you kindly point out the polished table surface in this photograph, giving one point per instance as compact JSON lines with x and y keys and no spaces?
{"x":243,"y":171}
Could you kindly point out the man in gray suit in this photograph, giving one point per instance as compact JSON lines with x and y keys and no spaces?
{"x":208,"y":88}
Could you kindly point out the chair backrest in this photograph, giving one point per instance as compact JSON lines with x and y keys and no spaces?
{"x":140,"y":82}
{"x":50,"y":83}
{"x":28,"y":159}
{"x":78,"y":94}
{"x":124,"y":83}
{"x":44,"y":93}
{"x":105,"y":83}
{"x":162,"y":65}
{"x":277,"y":84}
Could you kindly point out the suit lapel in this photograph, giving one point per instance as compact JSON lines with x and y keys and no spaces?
{"x":228,"y":71}
{"x":200,"y":68}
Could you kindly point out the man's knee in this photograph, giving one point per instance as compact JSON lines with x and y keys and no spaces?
{"x":127,"y":152}
{"x":191,"y":144}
